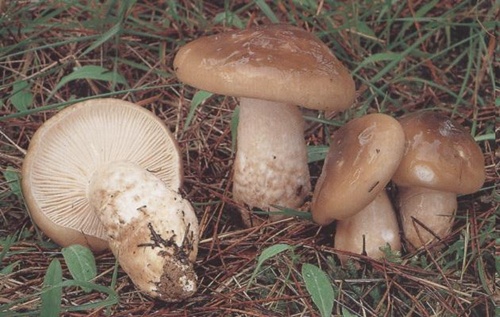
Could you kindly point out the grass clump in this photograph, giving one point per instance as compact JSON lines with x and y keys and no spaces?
{"x":404,"y":56}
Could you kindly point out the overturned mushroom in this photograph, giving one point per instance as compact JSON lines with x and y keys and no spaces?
{"x":107,"y":172}
{"x":441,"y":160}
{"x":272,"y":69}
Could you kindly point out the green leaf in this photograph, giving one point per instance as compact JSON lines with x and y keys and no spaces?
{"x":21,"y":97}
{"x":12,"y":177}
{"x":198,"y":98}
{"x":90,"y":72}
{"x":266,"y":254}
{"x":52,"y":290}
{"x":81,"y":263}
{"x":320,"y":288}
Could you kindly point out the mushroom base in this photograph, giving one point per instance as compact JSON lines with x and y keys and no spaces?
{"x":377,"y":223}
{"x":152,"y":230}
{"x":426,"y":214}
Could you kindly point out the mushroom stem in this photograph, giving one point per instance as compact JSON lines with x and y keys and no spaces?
{"x":270,"y":169}
{"x":152,"y":230}
{"x":426,"y":214}
{"x":376,"y":222}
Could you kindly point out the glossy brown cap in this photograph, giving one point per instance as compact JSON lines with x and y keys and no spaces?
{"x":440,"y":154}
{"x":362,"y":158}
{"x":68,"y":148}
{"x":280,"y":63}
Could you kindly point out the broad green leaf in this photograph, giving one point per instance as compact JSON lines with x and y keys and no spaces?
{"x":90,"y":72}
{"x":320,"y":288}
{"x":81,"y":263}
{"x":21,"y":97}
{"x":52,"y":290}
{"x":198,"y":98}
{"x":12,"y":178}
{"x":266,"y":254}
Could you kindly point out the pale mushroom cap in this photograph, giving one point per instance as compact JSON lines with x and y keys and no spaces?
{"x":362,"y":158}
{"x":425,"y":214}
{"x":69,"y":147}
{"x":280,"y":63}
{"x":377,"y":222}
{"x":440,"y":154}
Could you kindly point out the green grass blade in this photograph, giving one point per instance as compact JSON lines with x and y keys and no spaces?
{"x":114,"y":30}
{"x":267,"y":11}
{"x":317,"y":153}
{"x":90,"y":72}
{"x":198,"y":98}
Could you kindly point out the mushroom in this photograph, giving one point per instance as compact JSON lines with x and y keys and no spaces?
{"x":373,"y":227}
{"x":106,"y":172}
{"x":441,"y":160}
{"x":363,"y":156}
{"x":271,"y":68}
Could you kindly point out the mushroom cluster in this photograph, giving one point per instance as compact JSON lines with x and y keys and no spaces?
{"x":273,"y":68}
{"x":427,"y":155}
{"x":107,"y":173}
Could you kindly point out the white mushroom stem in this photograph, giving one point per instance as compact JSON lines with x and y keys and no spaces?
{"x":270,"y":168}
{"x":373,"y":227}
{"x":426,"y":214}
{"x":152,"y":230}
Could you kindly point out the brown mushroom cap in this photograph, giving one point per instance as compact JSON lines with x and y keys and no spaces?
{"x":440,"y":154}
{"x":280,"y":63}
{"x":67,"y":149}
{"x":377,"y":222}
{"x":362,"y":158}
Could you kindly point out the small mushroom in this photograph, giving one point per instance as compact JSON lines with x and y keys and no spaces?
{"x":363,"y":156}
{"x":106,"y":172}
{"x":272,"y":69}
{"x":374,"y":227}
{"x":441,"y":160}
